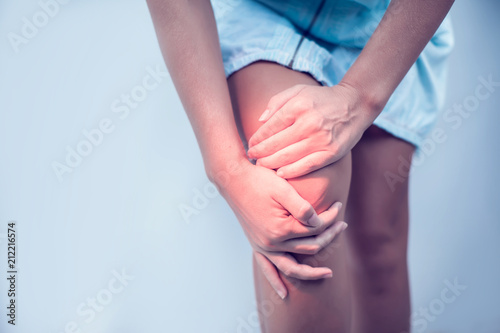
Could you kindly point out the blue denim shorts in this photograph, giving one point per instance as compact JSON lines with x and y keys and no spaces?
{"x":323,"y":38}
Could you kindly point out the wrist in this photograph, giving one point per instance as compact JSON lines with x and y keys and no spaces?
{"x":373,"y":85}
{"x":222,"y":172}
{"x":367,"y":102}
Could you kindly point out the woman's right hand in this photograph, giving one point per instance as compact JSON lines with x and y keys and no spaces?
{"x":278,"y":221}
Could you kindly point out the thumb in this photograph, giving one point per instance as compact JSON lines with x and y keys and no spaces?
{"x":300,"y":208}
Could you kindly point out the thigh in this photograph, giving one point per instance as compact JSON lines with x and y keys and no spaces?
{"x":378,"y":198}
{"x":311,"y":306}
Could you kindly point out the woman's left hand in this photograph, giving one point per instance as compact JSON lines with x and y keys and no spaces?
{"x":309,"y":127}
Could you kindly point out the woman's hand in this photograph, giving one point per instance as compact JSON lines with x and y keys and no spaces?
{"x":278,"y":221}
{"x":309,"y":127}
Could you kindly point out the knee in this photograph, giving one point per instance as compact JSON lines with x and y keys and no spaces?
{"x":325,"y":186}
{"x":379,"y":258}
{"x":377,"y":240}
{"x":322,"y":188}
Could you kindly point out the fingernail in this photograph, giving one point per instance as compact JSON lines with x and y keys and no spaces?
{"x":328,"y":275}
{"x":344,"y":226}
{"x":314,"y":221}
{"x":264,"y":115}
{"x":280,"y":173}
{"x":281,"y":294}
{"x":338,"y":205}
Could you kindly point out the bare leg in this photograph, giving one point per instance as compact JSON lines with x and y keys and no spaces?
{"x":378,"y":235}
{"x":311,"y":306}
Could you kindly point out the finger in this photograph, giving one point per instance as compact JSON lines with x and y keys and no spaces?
{"x":287,"y":264}
{"x":327,"y":219}
{"x":328,"y":216}
{"x":280,"y":140}
{"x":307,"y":164}
{"x":276,"y":124}
{"x":278,"y":100}
{"x":297,"y":206}
{"x":271,"y":274}
{"x":287,"y":155}
{"x":314,"y":244}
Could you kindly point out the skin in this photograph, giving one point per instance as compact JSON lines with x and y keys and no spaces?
{"x":378,"y":235}
{"x":195,"y":66}
{"x":370,"y":264}
{"x":280,"y":218}
{"x":307,"y":128}
{"x":312,"y":306}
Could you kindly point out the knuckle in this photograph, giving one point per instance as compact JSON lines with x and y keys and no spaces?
{"x":272,"y":145}
{"x":285,"y":156}
{"x":303,"y":104}
{"x":309,"y":164}
{"x":323,"y":242}
{"x":266,"y":244}
{"x":267,"y":132}
{"x":291,"y":271}
{"x":313,"y":249}
{"x":295,"y":272}
{"x":321,"y":228}
{"x":311,"y":122}
{"x":262,"y":162}
{"x":320,"y":246}
{"x":273,"y":101}
{"x":286,"y":117}
{"x":326,"y":136}
{"x":256,"y":139}
{"x":318,"y":230}
{"x":257,"y":149}
{"x":275,"y":236}
{"x":305,"y":211}
{"x":316,"y":116}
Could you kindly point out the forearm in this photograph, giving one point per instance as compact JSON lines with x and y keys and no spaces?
{"x":187,"y":35}
{"x":404,"y":31}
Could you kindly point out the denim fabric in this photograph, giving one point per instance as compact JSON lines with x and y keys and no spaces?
{"x":324,"y":42}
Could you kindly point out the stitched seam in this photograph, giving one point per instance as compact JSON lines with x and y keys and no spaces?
{"x":306,"y":32}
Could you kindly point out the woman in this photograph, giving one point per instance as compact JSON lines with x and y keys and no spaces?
{"x":329,"y":97}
